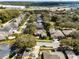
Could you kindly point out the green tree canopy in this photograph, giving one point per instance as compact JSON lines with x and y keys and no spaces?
{"x":71,"y":42}
{"x":6,"y":15}
{"x":31,"y":28}
{"x":75,"y":34}
{"x":27,"y":41}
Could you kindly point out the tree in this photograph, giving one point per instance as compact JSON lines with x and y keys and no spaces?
{"x":31,"y":28}
{"x":66,"y":42}
{"x":22,"y":44}
{"x":75,"y":34}
{"x":71,"y":42}
{"x":47,"y":25}
{"x":0,"y":22}
{"x":45,"y":17}
{"x":75,"y":18}
{"x":27,"y":41}
{"x":6,"y":15}
{"x":32,"y":18}
{"x":54,"y":18}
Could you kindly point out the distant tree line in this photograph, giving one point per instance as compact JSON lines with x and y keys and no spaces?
{"x":37,"y":3}
{"x":68,"y":19}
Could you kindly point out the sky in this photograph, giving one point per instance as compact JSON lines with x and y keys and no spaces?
{"x":39,"y":0}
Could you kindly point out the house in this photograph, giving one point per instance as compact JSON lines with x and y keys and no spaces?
{"x":41,"y":33}
{"x":39,"y":20}
{"x":2,"y":37}
{"x":67,"y":32}
{"x":4,"y":50}
{"x":3,"y":34}
{"x":56,"y":33}
{"x":47,"y":55}
{"x":52,"y":55}
{"x":10,"y":27}
{"x":7,"y":30}
{"x":38,"y":15}
{"x":39,"y":25}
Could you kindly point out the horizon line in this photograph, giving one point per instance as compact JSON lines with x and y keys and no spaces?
{"x":39,"y":1}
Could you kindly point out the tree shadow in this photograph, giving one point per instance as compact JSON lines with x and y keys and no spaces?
{"x":18,"y":52}
{"x":13,"y":50}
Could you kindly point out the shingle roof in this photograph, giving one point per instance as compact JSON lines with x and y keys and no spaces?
{"x":67,"y":32}
{"x":56,"y":33}
{"x":50,"y":56}
{"x":39,"y":20}
{"x":41,"y":32}
{"x":39,"y":25}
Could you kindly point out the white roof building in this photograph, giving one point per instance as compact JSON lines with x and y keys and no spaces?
{"x":12,"y":7}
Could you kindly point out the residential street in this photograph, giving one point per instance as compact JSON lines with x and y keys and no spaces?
{"x":4,"y":50}
{"x":10,"y":26}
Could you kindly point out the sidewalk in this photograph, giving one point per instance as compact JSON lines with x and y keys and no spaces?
{"x":36,"y":52}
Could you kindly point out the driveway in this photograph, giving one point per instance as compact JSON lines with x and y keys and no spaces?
{"x":36,"y":51}
{"x":44,"y":44}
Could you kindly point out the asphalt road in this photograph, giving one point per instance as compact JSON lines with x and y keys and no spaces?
{"x":4,"y":50}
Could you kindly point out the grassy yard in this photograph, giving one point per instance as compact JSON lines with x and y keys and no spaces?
{"x":43,"y":40}
{"x":7,"y":41}
{"x":44,"y":48}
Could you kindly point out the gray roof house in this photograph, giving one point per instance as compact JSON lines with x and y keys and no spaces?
{"x":7,"y":30}
{"x":47,"y":55}
{"x":38,"y":15}
{"x":39,"y":25}
{"x":41,"y":33}
{"x":39,"y":20}
{"x":68,"y":31}
{"x":2,"y":37}
{"x":56,"y":33}
{"x":53,"y":55}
